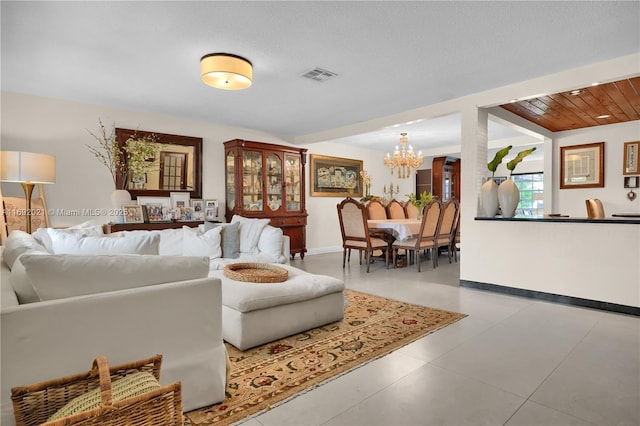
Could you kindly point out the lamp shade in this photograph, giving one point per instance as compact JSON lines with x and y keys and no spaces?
{"x":17,"y":166}
{"x":226,"y":71}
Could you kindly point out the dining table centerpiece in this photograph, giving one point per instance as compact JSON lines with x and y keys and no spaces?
{"x":420,"y":201}
{"x":134,"y":158}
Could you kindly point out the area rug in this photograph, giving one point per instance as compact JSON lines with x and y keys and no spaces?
{"x":266,"y":375}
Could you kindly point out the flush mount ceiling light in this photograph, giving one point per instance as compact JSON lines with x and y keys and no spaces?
{"x":226,"y":71}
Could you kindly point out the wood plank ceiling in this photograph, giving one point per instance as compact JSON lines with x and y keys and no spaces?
{"x":607,"y":103}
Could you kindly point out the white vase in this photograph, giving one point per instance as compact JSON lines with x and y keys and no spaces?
{"x":119,"y":198}
{"x":509,"y":197}
{"x":489,"y":198}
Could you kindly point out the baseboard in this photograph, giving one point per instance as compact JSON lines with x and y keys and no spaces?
{"x":556,"y":298}
{"x":324,"y":250}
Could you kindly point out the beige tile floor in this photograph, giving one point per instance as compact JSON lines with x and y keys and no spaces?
{"x":512,"y":361}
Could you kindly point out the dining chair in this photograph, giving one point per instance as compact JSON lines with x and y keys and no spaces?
{"x":447,"y":233}
{"x":355,"y":232}
{"x":595,"y":209}
{"x":376,"y":210}
{"x":395,"y":210}
{"x":426,"y":239}
{"x":411,"y":211}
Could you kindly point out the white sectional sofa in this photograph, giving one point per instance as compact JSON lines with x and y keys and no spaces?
{"x":68,"y":296}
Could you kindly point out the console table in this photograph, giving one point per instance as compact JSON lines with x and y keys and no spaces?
{"x":151,"y":226}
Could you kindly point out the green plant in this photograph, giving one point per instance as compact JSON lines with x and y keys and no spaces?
{"x":511,"y":165}
{"x":497,"y":159}
{"x":424,"y":199}
{"x":125,"y":162}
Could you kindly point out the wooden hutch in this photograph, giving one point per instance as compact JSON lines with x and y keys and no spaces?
{"x":446,"y":178}
{"x":265,"y":180}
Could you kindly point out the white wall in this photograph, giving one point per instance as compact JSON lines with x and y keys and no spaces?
{"x":56,"y":127}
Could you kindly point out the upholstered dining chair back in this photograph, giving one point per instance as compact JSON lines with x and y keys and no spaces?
{"x":595,"y":209}
{"x":355,"y":232}
{"x":376,"y":210}
{"x":411,"y":211}
{"x":426,"y":238}
{"x":447,"y":233}
{"x":395,"y":210}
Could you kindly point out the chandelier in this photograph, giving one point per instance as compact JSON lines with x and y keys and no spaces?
{"x":405,"y":160}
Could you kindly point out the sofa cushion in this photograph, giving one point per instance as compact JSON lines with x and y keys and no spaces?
{"x":59,"y":276}
{"x":170,"y":240}
{"x":270,"y":244}
{"x":196,"y":243}
{"x":230,"y":236}
{"x":66,"y":243}
{"x":250,"y":230}
{"x":84,"y":229}
{"x":17,"y":243}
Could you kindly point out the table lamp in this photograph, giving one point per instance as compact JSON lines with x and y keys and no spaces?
{"x":27,"y":168}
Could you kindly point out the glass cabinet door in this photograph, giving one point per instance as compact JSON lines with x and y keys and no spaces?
{"x":252,"y":180}
{"x":231,"y":180}
{"x":292,"y":180}
{"x":274,"y":182}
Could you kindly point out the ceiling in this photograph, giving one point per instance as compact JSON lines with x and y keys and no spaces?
{"x":389,"y":57}
{"x":607,"y":103}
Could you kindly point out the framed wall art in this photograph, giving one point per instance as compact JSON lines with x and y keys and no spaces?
{"x":631,"y":162}
{"x":582,"y":166}
{"x":335,"y":177}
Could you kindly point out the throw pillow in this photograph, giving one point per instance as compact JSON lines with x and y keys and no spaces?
{"x":270,"y":243}
{"x":84,"y":229}
{"x":17,"y":243}
{"x":65,"y":243}
{"x":230,"y":236}
{"x":131,"y":385}
{"x":250,"y":230}
{"x":195,"y":243}
{"x":59,"y":276}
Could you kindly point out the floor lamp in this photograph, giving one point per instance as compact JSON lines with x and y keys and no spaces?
{"x":27,"y":168}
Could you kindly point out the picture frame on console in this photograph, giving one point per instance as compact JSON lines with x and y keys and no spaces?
{"x":133,"y":213}
{"x":210,"y":210}
{"x":197,"y":209}
{"x":582,"y":166}
{"x":335,"y":176}
{"x":157,"y":208}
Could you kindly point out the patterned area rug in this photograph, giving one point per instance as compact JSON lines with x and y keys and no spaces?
{"x":266,"y":375}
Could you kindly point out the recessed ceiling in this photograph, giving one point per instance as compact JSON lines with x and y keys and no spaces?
{"x":608,"y":103}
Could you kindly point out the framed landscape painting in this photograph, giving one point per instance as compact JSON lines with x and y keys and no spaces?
{"x":582,"y":166}
{"x":335,"y":177}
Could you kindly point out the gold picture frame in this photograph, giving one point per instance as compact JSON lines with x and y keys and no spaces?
{"x":582,"y":166}
{"x":335,"y":176}
{"x":631,"y":163}
{"x":133,"y":213}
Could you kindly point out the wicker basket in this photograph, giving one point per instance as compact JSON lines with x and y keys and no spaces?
{"x":34,"y":404}
{"x":256,"y":272}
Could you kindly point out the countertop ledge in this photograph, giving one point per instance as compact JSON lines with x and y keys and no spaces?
{"x":563,"y":219}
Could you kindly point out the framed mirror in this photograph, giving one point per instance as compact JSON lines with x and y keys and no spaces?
{"x":177,"y":168}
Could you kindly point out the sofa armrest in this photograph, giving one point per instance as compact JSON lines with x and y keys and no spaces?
{"x":180,"y":320}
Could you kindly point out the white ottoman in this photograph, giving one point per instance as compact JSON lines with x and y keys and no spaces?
{"x":256,"y":313}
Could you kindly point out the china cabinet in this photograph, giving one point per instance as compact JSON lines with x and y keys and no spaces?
{"x":264,"y":180}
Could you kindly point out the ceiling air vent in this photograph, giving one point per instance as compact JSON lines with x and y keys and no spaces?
{"x":318,"y":74}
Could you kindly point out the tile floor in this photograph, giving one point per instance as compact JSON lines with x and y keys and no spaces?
{"x":512,"y":361}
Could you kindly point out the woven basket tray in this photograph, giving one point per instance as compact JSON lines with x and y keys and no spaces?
{"x":256,"y":272}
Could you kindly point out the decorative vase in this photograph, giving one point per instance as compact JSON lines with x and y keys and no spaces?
{"x":119,"y":197}
{"x":509,"y":197}
{"x":489,"y":198}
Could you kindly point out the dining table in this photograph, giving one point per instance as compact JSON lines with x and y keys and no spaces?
{"x":400,"y":229}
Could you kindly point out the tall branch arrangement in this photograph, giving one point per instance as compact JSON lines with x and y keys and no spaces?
{"x":124,"y":162}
